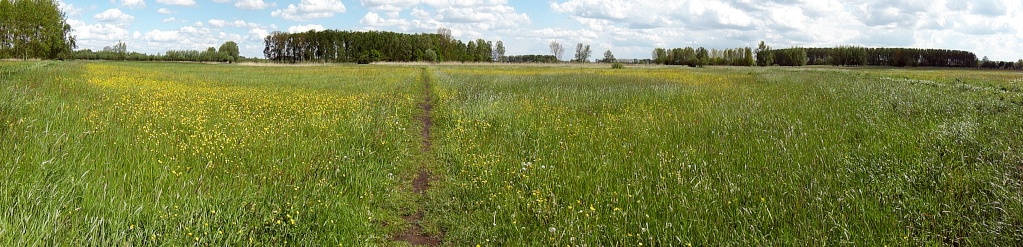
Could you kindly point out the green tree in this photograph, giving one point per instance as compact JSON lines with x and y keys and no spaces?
{"x":702,"y":57}
{"x":431,"y":56}
{"x":230,"y":50}
{"x":498,"y":54}
{"x":471,"y":49}
{"x":34,"y":29}
{"x":689,"y":57}
{"x":608,"y":57}
{"x":764,"y":55}
{"x":582,"y":53}
{"x":659,"y":55}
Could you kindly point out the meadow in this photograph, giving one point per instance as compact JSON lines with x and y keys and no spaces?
{"x":104,"y":153}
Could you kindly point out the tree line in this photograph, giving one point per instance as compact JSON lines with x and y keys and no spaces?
{"x":896,"y":57}
{"x":372,"y":46}
{"x":862,"y":56}
{"x":700,"y":57}
{"x":228,"y":53}
{"x":531,"y":59}
{"x":34,"y":29}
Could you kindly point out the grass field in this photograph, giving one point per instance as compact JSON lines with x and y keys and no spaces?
{"x":194,"y":154}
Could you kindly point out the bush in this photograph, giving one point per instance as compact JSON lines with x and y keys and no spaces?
{"x":617,"y":66}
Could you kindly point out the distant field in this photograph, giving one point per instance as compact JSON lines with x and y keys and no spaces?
{"x":201,"y":154}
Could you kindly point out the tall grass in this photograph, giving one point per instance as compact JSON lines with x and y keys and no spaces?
{"x":195,"y":154}
{"x":182,"y":154}
{"x":723,"y":156}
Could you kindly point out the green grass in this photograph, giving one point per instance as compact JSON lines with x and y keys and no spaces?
{"x":196,"y":154}
{"x":183,"y":154}
{"x":726,"y":156}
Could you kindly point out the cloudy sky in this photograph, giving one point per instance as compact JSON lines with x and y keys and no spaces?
{"x":629,"y":28}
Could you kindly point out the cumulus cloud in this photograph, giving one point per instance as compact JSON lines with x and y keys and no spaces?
{"x":164,"y":11}
{"x":184,"y":38}
{"x":113,"y":15}
{"x":310,"y":9}
{"x":303,"y":28}
{"x":162,"y":36}
{"x":236,"y":23}
{"x":373,"y":19}
{"x":69,"y":9}
{"x":252,"y":4}
{"x":133,"y":3}
{"x":723,"y":24}
{"x":96,"y":34}
{"x":177,"y":2}
{"x":466,"y":19}
{"x":257,"y":34}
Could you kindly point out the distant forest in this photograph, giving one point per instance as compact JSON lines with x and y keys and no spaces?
{"x":372,"y":46}
{"x":862,"y":56}
{"x":837,"y":56}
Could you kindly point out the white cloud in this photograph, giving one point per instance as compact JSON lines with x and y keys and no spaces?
{"x":164,"y":11}
{"x":217,"y":23}
{"x":466,"y":19}
{"x":133,"y":3}
{"x":373,"y":20}
{"x":170,"y":19}
{"x":177,"y":2}
{"x":236,"y":23}
{"x":162,"y":36}
{"x":389,"y":5}
{"x":184,"y":38}
{"x":114,"y":15}
{"x":253,"y":4}
{"x":257,"y":34}
{"x":69,"y":9}
{"x":310,"y":9}
{"x":90,"y":35}
{"x":303,"y":28}
{"x":725,"y":24}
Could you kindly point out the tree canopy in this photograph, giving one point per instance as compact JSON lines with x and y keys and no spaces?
{"x":363,"y":47}
{"x":230,"y":49}
{"x":228,"y":53}
{"x":34,"y":29}
{"x":701,"y":56}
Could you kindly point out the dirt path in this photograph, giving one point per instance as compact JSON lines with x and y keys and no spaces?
{"x":414,"y":235}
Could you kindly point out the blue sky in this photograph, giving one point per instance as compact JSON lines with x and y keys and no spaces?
{"x":629,"y":28}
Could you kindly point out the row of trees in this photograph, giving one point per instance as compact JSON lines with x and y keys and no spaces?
{"x":699,"y":57}
{"x":531,"y":59}
{"x":897,"y":57}
{"x":988,"y":64}
{"x":365,"y":47}
{"x":862,"y":56}
{"x":34,"y":29}
{"x":228,"y":53}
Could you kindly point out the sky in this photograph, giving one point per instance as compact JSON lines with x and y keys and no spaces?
{"x":628,"y":28}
